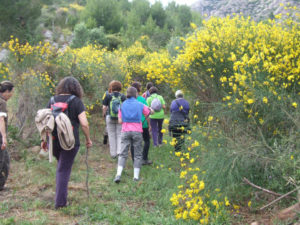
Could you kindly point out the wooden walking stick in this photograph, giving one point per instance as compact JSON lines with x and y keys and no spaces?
{"x":87,"y":172}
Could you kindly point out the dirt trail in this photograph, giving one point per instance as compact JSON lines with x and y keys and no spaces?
{"x":23,"y":194}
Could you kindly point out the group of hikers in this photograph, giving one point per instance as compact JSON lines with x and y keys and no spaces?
{"x":129,"y":121}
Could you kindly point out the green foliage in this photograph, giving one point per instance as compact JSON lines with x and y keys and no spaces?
{"x":160,"y":37}
{"x":60,"y":15}
{"x":149,"y":27}
{"x":48,"y":16}
{"x":97,"y":36}
{"x":132,"y":29}
{"x":13,"y":132}
{"x":137,"y":18}
{"x":91,"y":23}
{"x":142,"y":8}
{"x":19,"y":18}
{"x":105,"y":13}
{"x":158,"y":14}
{"x":81,"y":35}
{"x":174,"y":46}
{"x":128,"y":20}
{"x":178,"y":19}
{"x":114,"y":41}
{"x":184,"y":16}
{"x":8,"y":221}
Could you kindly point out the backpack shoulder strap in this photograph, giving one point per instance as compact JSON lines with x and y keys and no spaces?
{"x":111,"y":95}
{"x":70,"y":99}
{"x":160,"y":98}
{"x":177,"y":104}
{"x":52,"y":101}
{"x":184,"y":114}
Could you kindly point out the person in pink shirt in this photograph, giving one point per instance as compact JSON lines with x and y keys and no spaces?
{"x":130,"y":115}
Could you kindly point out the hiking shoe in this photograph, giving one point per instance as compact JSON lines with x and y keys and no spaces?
{"x":147,"y":162}
{"x":117,"y":179}
{"x":62,"y":206}
{"x":136,"y":179}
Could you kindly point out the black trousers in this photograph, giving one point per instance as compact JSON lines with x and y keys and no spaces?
{"x":146,"y":138}
{"x":4,"y":167}
{"x":178,"y":133}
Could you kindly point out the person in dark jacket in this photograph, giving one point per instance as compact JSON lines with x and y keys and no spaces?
{"x":6,"y":92}
{"x":105,"y":133}
{"x":179,"y":119}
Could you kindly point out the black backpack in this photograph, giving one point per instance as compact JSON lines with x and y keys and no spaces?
{"x":58,"y":107}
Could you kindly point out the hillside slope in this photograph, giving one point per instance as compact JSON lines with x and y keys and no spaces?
{"x":257,"y":9}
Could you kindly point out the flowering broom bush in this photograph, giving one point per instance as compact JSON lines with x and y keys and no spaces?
{"x":246,"y":77}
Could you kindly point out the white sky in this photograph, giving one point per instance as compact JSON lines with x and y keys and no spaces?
{"x":180,"y":2}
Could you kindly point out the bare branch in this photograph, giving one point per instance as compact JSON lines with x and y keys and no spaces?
{"x":281,"y":197}
{"x":260,"y":188}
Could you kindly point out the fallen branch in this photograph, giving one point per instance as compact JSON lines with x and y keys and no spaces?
{"x":281,"y":197}
{"x":260,"y":188}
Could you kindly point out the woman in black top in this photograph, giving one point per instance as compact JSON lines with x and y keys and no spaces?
{"x":76,"y":112}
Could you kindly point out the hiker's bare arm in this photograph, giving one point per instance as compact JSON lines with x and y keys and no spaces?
{"x":85,"y":128}
{"x":148,"y":121}
{"x":164,"y":106}
{"x":151,"y":111}
{"x":104,"y":109}
{"x":44,"y":145}
{"x":120,"y":120}
{"x":3,"y":133}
